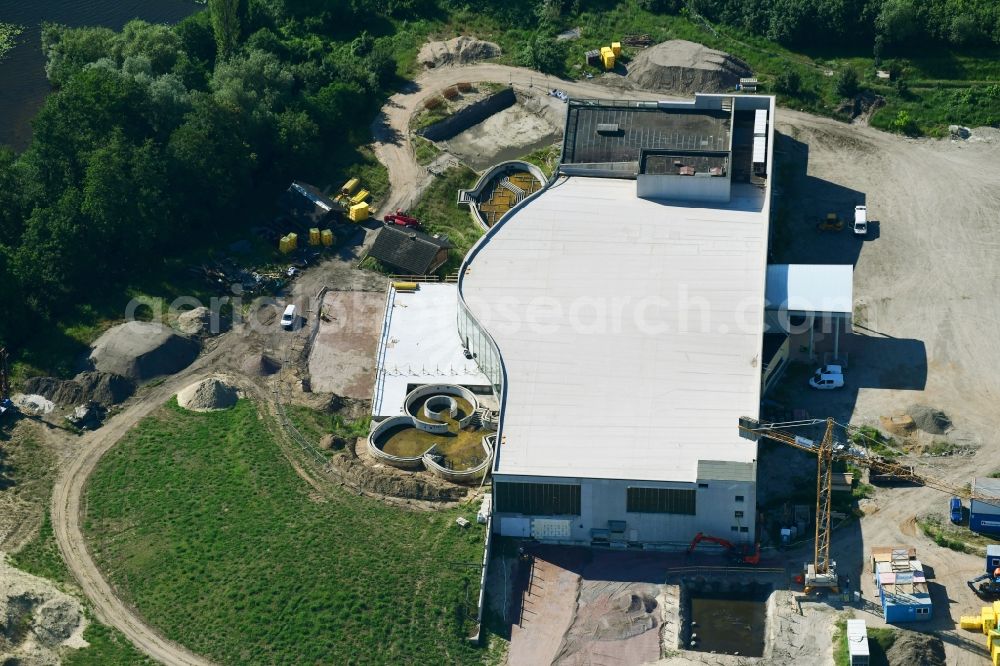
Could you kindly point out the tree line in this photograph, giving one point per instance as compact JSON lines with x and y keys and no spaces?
{"x":157,"y":136}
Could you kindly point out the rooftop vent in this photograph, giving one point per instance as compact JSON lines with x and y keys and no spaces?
{"x":608,"y":128}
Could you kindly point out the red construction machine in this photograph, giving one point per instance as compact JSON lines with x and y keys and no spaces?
{"x":741,"y":553}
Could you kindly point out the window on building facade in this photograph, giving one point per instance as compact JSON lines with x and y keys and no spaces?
{"x":661,"y":500}
{"x":537,"y":499}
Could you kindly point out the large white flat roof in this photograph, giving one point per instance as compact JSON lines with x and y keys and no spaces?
{"x":419,"y":344}
{"x":630,"y":330}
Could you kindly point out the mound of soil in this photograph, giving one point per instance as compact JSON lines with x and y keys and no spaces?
{"x":457,"y":51}
{"x":208,"y":395}
{"x":197,"y":322}
{"x":36,"y":619}
{"x":929,"y":419}
{"x":142,"y":351}
{"x":913,"y":649}
{"x":260,"y":365}
{"x":100,"y":387}
{"x":683,"y":66}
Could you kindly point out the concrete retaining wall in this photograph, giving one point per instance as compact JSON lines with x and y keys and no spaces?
{"x":411,"y":463}
{"x":471,"y":115}
{"x":439,"y":389}
{"x":465,"y":475}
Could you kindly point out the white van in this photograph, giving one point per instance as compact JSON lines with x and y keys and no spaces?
{"x":861,"y":220}
{"x":288,"y":319}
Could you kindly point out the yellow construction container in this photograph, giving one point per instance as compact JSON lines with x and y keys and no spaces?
{"x":405,"y":286}
{"x":287,"y":244}
{"x":971,"y":622}
{"x":991,"y":639}
{"x":989,"y":624}
{"x":348,"y":188}
{"x":995,"y":652}
{"x":607,"y":57}
{"x":360,"y":196}
{"x":293,"y":240}
{"x":616,"y":48}
{"x":358,"y":212}
{"x":326,"y":237}
{"x":314,"y":238}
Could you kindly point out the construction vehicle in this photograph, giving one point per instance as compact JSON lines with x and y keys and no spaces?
{"x":831,"y":223}
{"x":821,"y":572}
{"x":986,"y":586}
{"x":402,"y":219}
{"x":741,"y":553}
{"x":5,"y":402}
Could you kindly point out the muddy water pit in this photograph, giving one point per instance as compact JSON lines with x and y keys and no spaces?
{"x":724,"y":617}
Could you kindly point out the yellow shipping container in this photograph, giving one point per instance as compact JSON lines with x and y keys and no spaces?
{"x":405,"y":286}
{"x":327,"y":237}
{"x":989,"y":624}
{"x":991,"y":639}
{"x":285,"y":245}
{"x":616,"y":48}
{"x":358,"y":212}
{"x":971,"y":622}
{"x":360,"y":196}
{"x":349,"y":187}
{"x":609,"y":61}
{"x":293,"y":241}
{"x":314,"y":236}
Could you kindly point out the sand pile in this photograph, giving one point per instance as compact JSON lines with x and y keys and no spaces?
{"x":260,"y":365}
{"x":911,"y":649}
{"x":683,"y":66}
{"x":456,"y":51}
{"x":100,"y":387}
{"x":207,"y":395}
{"x":196,"y":322}
{"x":36,"y":619}
{"x":32,"y":403}
{"x":141,"y":351}
{"x":929,"y":419}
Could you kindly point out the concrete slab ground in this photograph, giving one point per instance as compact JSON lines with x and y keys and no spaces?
{"x":342,"y":359}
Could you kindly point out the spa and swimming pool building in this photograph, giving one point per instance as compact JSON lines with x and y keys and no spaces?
{"x":619,"y":315}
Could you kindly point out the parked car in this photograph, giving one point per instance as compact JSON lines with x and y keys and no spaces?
{"x":827,"y":377}
{"x":956,"y":510}
{"x":288,"y":318}
{"x":860,"y":227}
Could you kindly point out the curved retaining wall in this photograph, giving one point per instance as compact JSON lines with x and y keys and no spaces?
{"x":463,"y":475}
{"x":471,"y":195}
{"x":409,"y":462}
{"x":435,"y":427}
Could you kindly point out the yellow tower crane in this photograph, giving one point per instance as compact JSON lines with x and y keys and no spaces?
{"x":822,"y":573}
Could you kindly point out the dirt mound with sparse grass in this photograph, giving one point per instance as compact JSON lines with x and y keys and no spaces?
{"x":101,"y":387}
{"x":260,"y":365}
{"x":929,"y":419}
{"x":457,"y":51}
{"x":913,"y":649}
{"x":142,"y":351}
{"x":196,"y":322}
{"x":36,"y":619}
{"x":683,"y":66}
{"x":208,"y":395}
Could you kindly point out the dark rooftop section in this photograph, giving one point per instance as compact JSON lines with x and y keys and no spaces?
{"x":680,"y":163}
{"x":302,"y":200}
{"x":638,"y":127}
{"x":408,"y":251}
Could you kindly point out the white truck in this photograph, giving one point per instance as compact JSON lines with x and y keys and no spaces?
{"x":860,"y":227}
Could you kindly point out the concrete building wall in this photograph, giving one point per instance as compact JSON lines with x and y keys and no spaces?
{"x":714,"y":189}
{"x":604,"y":500}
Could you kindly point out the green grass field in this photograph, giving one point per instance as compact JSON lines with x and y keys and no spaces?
{"x":439,"y":214}
{"x":202,"y":524}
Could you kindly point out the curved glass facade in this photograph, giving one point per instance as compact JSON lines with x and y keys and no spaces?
{"x":484,"y":352}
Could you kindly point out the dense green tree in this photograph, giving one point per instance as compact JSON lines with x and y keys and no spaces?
{"x":847,"y":82}
{"x":68,"y":50}
{"x":544,"y":53}
{"x":227,"y":24}
{"x":788,"y":82}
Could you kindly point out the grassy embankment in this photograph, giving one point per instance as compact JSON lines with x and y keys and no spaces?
{"x":203,"y":526}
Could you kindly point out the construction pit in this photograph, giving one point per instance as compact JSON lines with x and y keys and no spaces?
{"x":503,"y":126}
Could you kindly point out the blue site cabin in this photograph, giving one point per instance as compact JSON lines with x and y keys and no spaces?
{"x":902,"y":585}
{"x":992,"y":558}
{"x":985,"y":516}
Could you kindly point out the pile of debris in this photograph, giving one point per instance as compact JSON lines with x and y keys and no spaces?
{"x":141,"y":351}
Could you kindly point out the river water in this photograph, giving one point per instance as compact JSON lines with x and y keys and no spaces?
{"x":23,"y":85}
